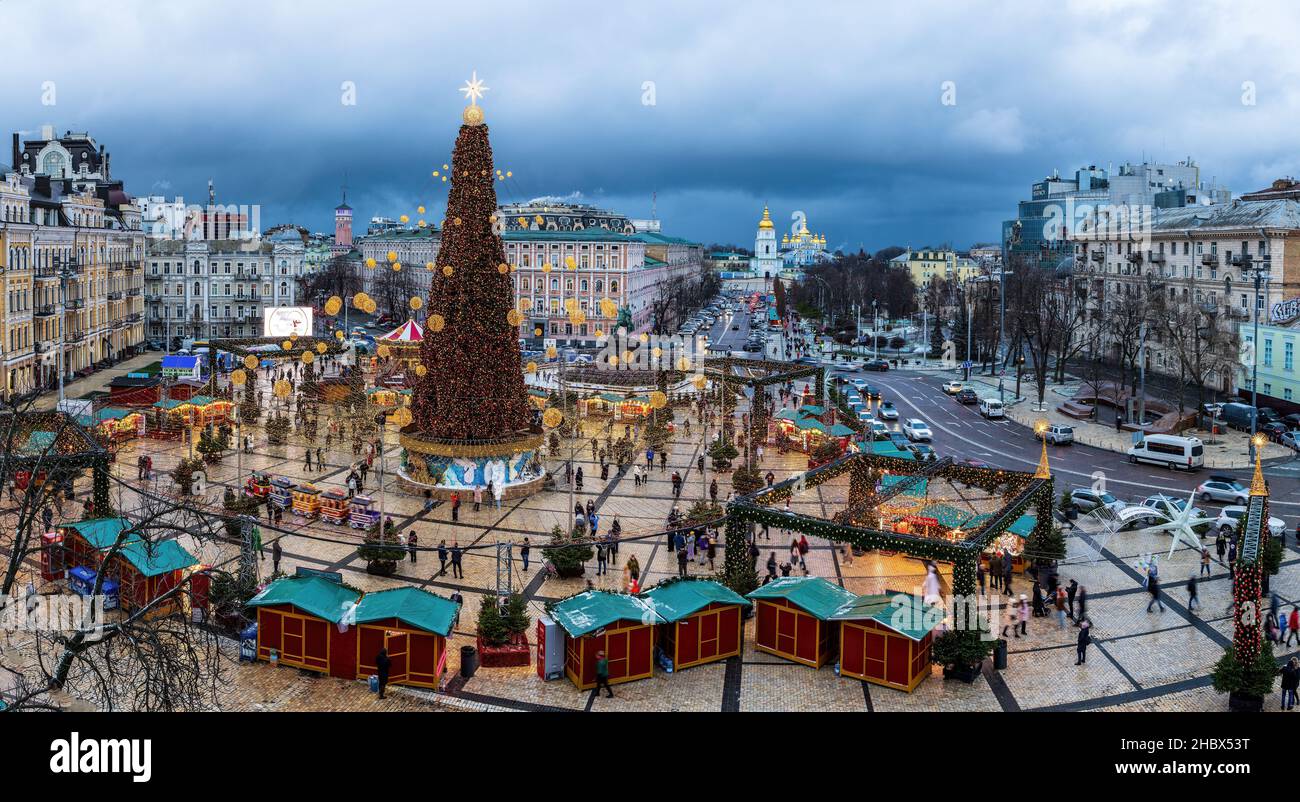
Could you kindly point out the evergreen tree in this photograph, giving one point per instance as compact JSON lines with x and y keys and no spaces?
{"x":473,"y":388}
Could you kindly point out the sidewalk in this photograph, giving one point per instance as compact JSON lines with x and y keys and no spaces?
{"x":1223,"y":451}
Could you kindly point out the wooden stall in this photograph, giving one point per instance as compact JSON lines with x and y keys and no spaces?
{"x":84,"y":539}
{"x":793,"y":618}
{"x":297,"y":622}
{"x":146,"y":571}
{"x":704,"y":621}
{"x":1012,"y":544}
{"x":413,"y":625}
{"x":620,"y":626}
{"x":885,"y":640}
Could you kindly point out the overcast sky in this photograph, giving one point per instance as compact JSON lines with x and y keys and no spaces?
{"x":835,"y":109}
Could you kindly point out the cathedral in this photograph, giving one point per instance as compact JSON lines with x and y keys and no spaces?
{"x":796,"y":251}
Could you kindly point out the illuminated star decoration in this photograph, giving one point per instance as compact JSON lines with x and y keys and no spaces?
{"x":473,"y":89}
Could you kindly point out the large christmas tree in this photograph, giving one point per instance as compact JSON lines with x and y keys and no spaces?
{"x":473,"y":388}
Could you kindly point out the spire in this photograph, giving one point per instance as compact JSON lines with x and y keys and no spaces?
{"x":1044,"y":469}
{"x":1257,"y":485}
{"x":766,"y":222}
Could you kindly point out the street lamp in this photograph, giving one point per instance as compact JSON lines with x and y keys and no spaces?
{"x":1020,"y":364}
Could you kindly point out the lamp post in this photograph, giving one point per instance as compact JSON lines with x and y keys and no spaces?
{"x":1259,"y":271}
{"x":1020,"y":364}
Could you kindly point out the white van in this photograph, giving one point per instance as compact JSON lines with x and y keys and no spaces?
{"x":991,"y":408}
{"x":1187,"y":453}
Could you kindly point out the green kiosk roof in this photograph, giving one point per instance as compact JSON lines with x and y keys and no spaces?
{"x":897,"y":612}
{"x":593,"y":609}
{"x":158,"y":558}
{"x":810,"y":593}
{"x":100,"y":532}
{"x":419,"y":608}
{"x":320,"y":597}
{"x":675,"y":600}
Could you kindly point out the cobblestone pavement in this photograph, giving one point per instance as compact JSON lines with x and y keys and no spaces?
{"x":1140,"y":661}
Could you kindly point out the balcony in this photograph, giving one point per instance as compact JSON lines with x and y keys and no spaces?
{"x":115,"y":295}
{"x":1239,"y":312}
{"x":46,"y":272}
{"x":134,"y":292}
{"x":75,"y":337}
{"x":1155,"y":258}
{"x":44,"y":310}
{"x":73,"y":304}
{"x":1097,"y":256}
{"x":134,"y":317}
{"x":1134,"y":257}
{"x":152,"y":297}
{"x":1210,"y":259}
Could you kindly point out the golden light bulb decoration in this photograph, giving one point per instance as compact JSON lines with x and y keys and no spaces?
{"x":420,"y":370}
{"x":404,"y":219}
{"x":608,"y":308}
{"x":397,"y":267}
{"x":282,"y":388}
{"x":370,"y":261}
{"x":430,"y":265}
{"x":419,"y":209}
{"x":531,"y":367}
{"x":238,"y":377}
{"x":613,"y":359}
{"x":699,"y":382}
{"x":287,"y":345}
{"x":422,"y":224}
{"x":338,"y":334}
{"x":392,"y":256}
{"x":250,"y":362}
{"x":552,"y":418}
{"x":447,"y":270}
{"x":435,"y":323}
{"x":333,"y":305}
{"x":658,"y":400}
{"x":514,"y":317}
{"x":308,"y":357}
{"x":503,"y":268}
{"x":384,"y":350}
{"x":416,"y":302}
{"x":551,"y":352}
{"x":321,"y":348}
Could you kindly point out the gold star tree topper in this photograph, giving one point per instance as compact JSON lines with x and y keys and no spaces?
{"x":473,"y":90}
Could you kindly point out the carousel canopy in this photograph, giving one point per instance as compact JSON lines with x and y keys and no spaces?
{"x":810,"y":593}
{"x":895,"y":612}
{"x":419,"y":608}
{"x":408,"y":332}
{"x":674,"y":601}
{"x":320,"y":597}
{"x":593,"y":609}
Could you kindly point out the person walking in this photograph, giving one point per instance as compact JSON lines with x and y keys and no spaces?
{"x":1290,"y":683}
{"x":320,"y":460}
{"x":681,"y":562}
{"x":442,"y":557}
{"x":1070,"y":591}
{"x":979,"y":576}
{"x":257,"y":542}
{"x":412,"y":540}
{"x":1193,"y":601}
{"x":602,"y":675}
{"x":525,"y":550}
{"x":352,"y":485}
{"x":615,"y":532}
{"x":1085,"y":638}
{"x":455,"y":505}
{"x":711,"y":549}
{"x":1293,"y":630}
{"x":478,"y":497}
{"x":577,"y":479}
{"x":276,"y":554}
{"x":1007,"y":565}
{"x":1083,"y":604}
{"x":456,"y":552}
{"x":383,"y":664}
{"x":306,"y":456}
{"x":677,"y":485}
{"x":771,"y":567}
{"x":1024,"y":615}
{"x":803,"y":552}
{"x":1153,"y":587}
{"x":1205,"y":562}
{"x":1060,"y":608}
{"x":601,"y":559}
{"x":649,"y":459}
{"x":995,"y":571}
{"x":713,"y":491}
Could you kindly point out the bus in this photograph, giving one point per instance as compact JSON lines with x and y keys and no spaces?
{"x":1172,"y":452}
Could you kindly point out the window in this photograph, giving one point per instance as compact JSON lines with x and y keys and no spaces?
{"x":1288,"y":356}
{"x":1268,"y":352}
{"x":1286,"y":394}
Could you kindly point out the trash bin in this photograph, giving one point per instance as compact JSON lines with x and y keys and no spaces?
{"x":468,"y":661}
{"x":1000,"y":654}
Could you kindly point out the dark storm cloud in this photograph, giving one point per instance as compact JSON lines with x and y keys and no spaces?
{"x":832,"y":109}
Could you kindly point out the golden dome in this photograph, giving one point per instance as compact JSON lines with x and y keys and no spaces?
{"x":785,"y":238}
{"x":766,"y":222}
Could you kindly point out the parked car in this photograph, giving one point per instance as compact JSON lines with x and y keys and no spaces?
{"x":1086,"y":500}
{"x":1238,"y":416}
{"x":154,"y":345}
{"x":1169,"y":505}
{"x":952,"y":388}
{"x":1223,"y":488}
{"x":917,"y":431}
{"x":974,"y":463}
{"x":1291,"y":440}
{"x":923,"y":452}
{"x":1226,"y":523}
{"x":879,"y":431}
{"x":888,"y":411}
{"x":899,"y":440}
{"x":967,"y":396}
{"x":1292,"y":421}
{"x":1273,"y":430}
{"x":875,"y":364}
{"x":1169,"y":451}
{"x":1057,"y":434}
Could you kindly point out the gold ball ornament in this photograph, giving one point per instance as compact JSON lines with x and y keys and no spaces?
{"x":456,"y":221}
{"x":287,"y":345}
{"x":600,"y":333}
{"x":404,"y":219}
{"x":250,"y":362}
{"x":333,"y":305}
{"x":419,"y":209}
{"x":422,"y":224}
{"x":699,"y":382}
{"x":570,"y":263}
{"x":420,"y":370}
{"x":435,"y":323}
{"x":613,"y":359}
{"x":238,"y":377}
{"x":645,"y":338}
{"x":370,"y":261}
{"x":514,"y":317}
{"x":430,"y":265}
{"x":384,"y":350}
{"x":531,"y":367}
{"x":628,"y":357}
{"x":546,"y":267}
{"x":447,"y":270}
{"x":525,"y":303}
{"x":338,"y":334}
{"x":416,"y":302}
{"x":608,"y":308}
{"x":657,"y":352}
{"x":552,"y":418}
{"x":551,"y":352}
{"x":308,"y":357}
{"x":658,"y":400}
{"x":392,"y":256}
{"x":472,"y":116}
{"x":397,"y":267}
{"x":321,"y":348}
{"x":282,"y":388}
{"x":503,"y":268}
{"x":683,"y":364}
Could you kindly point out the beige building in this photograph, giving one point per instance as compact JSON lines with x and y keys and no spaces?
{"x":71,"y":263}
{"x":1184,"y":271}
